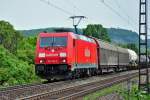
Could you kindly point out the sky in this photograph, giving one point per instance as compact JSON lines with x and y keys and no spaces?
{"x":33,"y":14}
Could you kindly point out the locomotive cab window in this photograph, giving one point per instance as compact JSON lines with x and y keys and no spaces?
{"x":53,"y":41}
{"x":60,"y":41}
{"x":46,"y":41}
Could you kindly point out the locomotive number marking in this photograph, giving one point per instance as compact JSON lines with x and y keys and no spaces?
{"x":52,"y":55}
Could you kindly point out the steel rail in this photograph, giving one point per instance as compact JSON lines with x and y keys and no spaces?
{"x":70,"y":89}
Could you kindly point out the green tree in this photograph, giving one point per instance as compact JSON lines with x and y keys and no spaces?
{"x":16,"y":56}
{"x":148,"y":50}
{"x":26,"y":49}
{"x":9,"y":37}
{"x":131,"y":46}
{"x":98,"y":31}
{"x":14,"y":70}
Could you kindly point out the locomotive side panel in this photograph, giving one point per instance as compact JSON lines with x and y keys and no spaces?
{"x":86,"y":54}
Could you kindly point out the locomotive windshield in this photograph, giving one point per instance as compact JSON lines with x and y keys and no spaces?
{"x":46,"y":41}
{"x":53,"y":41}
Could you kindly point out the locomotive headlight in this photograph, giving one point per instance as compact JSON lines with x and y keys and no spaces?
{"x":64,"y":61}
{"x":41,"y":54}
{"x":62,"y":54}
{"x":42,"y":61}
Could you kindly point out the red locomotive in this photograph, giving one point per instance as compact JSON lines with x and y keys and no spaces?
{"x":68,"y":55}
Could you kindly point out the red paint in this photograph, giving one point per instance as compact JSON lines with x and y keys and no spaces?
{"x":77,"y":50}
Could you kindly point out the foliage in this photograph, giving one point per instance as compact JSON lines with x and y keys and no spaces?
{"x":103,"y":92}
{"x":14,"y":70}
{"x":96,"y":30}
{"x":9,"y":36}
{"x":26,"y":49}
{"x":134,"y":94}
{"x":16,"y":57}
{"x":131,"y":46}
{"x":148,"y":51}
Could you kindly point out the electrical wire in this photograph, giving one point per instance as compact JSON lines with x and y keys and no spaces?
{"x":58,"y":8}
{"x":118,"y":5}
{"x":81,"y":11}
{"x":91,"y":19}
{"x":75,"y":7}
{"x":118,"y":14}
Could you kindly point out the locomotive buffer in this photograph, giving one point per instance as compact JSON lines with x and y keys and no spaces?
{"x":143,"y":76}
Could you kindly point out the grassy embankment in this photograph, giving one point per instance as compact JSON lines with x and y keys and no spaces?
{"x":133,"y":94}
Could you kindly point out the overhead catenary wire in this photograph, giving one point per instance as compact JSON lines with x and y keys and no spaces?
{"x":113,"y":10}
{"x":57,"y":7}
{"x":73,"y":6}
{"x":126,"y":19}
{"x":82,"y":11}
{"x":90,"y":18}
{"x":118,"y":14}
{"x":118,"y":5}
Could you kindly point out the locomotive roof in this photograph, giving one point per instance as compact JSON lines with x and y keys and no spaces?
{"x":55,"y":33}
{"x":75,"y":36}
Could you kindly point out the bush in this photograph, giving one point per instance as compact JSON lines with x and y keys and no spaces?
{"x":15,"y":71}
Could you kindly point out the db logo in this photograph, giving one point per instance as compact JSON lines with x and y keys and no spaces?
{"x":87,"y":53}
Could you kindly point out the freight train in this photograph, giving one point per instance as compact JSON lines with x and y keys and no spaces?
{"x":68,"y":55}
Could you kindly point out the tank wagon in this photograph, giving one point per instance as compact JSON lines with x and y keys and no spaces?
{"x":133,"y":58}
{"x":68,"y":55}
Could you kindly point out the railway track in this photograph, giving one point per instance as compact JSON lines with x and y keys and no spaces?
{"x":18,"y":86}
{"x":80,"y":90}
{"x":65,"y":89}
